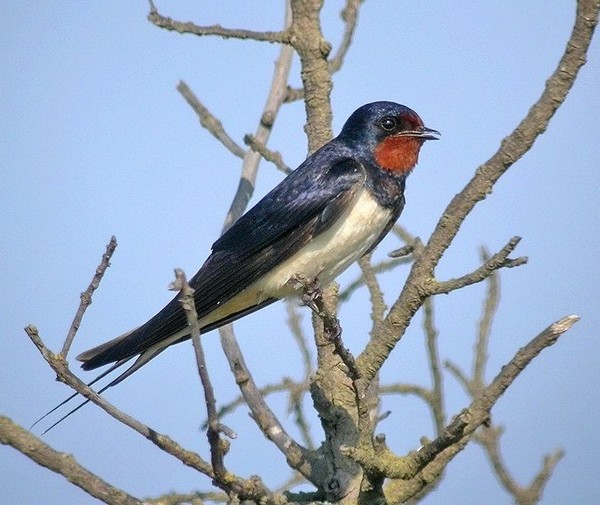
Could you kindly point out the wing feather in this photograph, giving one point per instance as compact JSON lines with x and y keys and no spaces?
{"x":282,"y":223}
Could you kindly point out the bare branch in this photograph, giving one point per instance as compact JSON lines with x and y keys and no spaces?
{"x":218,"y":447}
{"x":406,"y":389}
{"x":511,"y":149}
{"x":86,"y":296}
{"x":59,"y":365}
{"x":485,"y":326}
{"x":437,"y":394}
{"x":350,"y":17}
{"x":272,"y":156}
{"x":466,"y":422}
{"x":209,"y":121}
{"x":252,"y":159}
{"x":195,"y":498}
{"x":496,"y":262}
{"x":188,"y":27}
{"x":489,"y":438}
{"x":378,"y":306}
{"x":64,"y":464}
{"x":378,"y":268}
{"x":298,"y":458}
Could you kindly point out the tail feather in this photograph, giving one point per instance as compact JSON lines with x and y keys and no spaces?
{"x":64,"y":402}
{"x":104,"y":353}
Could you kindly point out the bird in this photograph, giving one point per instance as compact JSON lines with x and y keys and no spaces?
{"x":334,"y":208}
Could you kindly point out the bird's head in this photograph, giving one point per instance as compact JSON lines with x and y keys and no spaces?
{"x":387,"y":134}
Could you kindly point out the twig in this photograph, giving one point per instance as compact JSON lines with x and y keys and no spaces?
{"x":293,"y":95}
{"x":86,"y":296}
{"x":271,"y":156}
{"x":59,"y":365}
{"x":293,"y":323}
{"x":298,"y":458}
{"x":496,"y":262}
{"x":246,"y":488}
{"x":188,"y":27}
{"x":63,"y":464}
{"x":489,"y":438}
{"x":378,"y":268}
{"x":437,"y":393}
{"x":217,"y":447}
{"x":252,"y":159}
{"x":490,"y":306}
{"x":369,"y":277}
{"x":195,"y":498}
{"x":406,"y":389}
{"x":209,"y":121}
{"x":350,"y":17}
{"x":297,"y":390}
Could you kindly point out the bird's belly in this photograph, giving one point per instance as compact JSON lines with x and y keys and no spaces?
{"x":325,"y":257}
{"x":334,"y":250}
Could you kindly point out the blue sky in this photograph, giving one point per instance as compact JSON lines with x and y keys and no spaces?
{"x":96,"y":141}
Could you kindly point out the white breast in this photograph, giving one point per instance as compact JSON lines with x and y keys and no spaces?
{"x":334,"y":250}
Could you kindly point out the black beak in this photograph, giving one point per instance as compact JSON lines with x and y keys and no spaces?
{"x":422,"y":133}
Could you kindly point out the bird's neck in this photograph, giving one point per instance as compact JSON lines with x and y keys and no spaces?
{"x":398,"y":154}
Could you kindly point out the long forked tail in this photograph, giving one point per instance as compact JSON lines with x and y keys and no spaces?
{"x":101,"y":376}
{"x":139,"y":362}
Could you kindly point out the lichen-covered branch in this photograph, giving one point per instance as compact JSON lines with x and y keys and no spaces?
{"x":463,"y":426}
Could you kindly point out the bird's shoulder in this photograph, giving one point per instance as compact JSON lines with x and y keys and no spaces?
{"x":327,"y":176}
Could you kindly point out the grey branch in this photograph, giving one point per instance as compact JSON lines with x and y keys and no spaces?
{"x":170,"y":24}
{"x":271,"y":156}
{"x":350,"y":17}
{"x":64,"y":464}
{"x":496,"y":262}
{"x":217,"y":446}
{"x":86,"y":296}
{"x":209,"y":121}
{"x":462,"y":428}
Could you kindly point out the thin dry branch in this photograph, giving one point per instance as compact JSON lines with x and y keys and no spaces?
{"x":64,"y":464}
{"x":251,"y":488}
{"x":271,"y":156}
{"x":369,"y":277}
{"x":63,"y":374}
{"x":209,"y":121}
{"x":489,"y":438}
{"x":170,"y":24}
{"x":514,"y":146}
{"x":490,"y":307}
{"x":297,"y":456}
{"x":217,"y":447}
{"x":349,"y":15}
{"x":437,"y":395}
{"x":496,"y":262}
{"x":86,"y":296}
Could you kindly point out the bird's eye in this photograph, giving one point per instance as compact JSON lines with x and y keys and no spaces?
{"x":388,"y":124}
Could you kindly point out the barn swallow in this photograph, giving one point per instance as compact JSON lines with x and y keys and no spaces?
{"x":333,"y":209}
